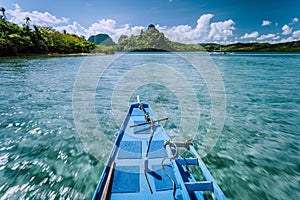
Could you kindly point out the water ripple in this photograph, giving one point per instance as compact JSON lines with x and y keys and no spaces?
{"x":257,"y":156}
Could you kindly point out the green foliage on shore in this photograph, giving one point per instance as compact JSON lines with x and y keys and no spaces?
{"x":255,"y":47}
{"x":153,"y":40}
{"x":105,"y":49}
{"x":16,"y":40}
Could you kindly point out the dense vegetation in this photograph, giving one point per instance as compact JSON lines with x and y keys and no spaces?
{"x":255,"y":47}
{"x":16,"y":40}
{"x":105,"y":49}
{"x":153,"y":40}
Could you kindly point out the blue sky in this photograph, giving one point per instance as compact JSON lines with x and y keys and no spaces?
{"x":190,"y":21}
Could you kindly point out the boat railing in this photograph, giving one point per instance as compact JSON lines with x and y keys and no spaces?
{"x":209,"y":184}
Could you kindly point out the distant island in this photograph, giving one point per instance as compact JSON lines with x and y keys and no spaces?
{"x":31,"y":39}
{"x":101,"y":39}
{"x":153,"y":40}
{"x":254,"y":47}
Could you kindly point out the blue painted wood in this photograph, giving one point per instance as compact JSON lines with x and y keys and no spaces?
{"x":130,"y":150}
{"x":187,"y":161}
{"x":199,"y":186}
{"x":163,"y":182}
{"x":127,"y":176}
{"x":157,"y":149}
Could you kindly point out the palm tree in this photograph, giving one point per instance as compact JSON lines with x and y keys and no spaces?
{"x":2,"y":9}
{"x":26,"y":27}
{"x":27,"y":20}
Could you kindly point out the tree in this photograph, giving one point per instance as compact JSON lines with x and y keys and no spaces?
{"x":122,"y":37}
{"x":26,"y":27}
{"x":27,"y":20}
{"x":3,"y":17}
{"x":16,"y":40}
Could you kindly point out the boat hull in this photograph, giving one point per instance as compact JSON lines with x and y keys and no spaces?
{"x":139,"y":166}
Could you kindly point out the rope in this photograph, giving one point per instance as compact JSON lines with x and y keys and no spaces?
{"x":147,"y":117}
{"x":151,"y":122}
{"x":187,"y":143}
{"x":150,"y":138}
{"x":146,"y":178}
{"x":163,"y":166}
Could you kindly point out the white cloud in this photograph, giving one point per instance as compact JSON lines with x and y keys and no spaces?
{"x":286,"y":30}
{"x":111,"y":28}
{"x":220,"y":31}
{"x":74,"y":28}
{"x":268,"y":36}
{"x":296,"y":35}
{"x":289,"y":39}
{"x":266,"y":23}
{"x":44,"y":19}
{"x":187,"y":34}
{"x":250,"y":35}
{"x":181,"y":33}
{"x":205,"y":31}
{"x":203,"y":25}
{"x":295,"y":20}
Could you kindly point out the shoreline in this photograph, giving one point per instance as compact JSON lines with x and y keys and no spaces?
{"x":57,"y":55}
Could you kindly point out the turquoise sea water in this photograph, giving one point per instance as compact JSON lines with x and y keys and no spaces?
{"x":42,"y":155}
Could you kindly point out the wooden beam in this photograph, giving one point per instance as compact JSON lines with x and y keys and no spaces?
{"x":108,"y":181}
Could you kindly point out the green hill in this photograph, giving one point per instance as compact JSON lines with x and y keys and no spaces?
{"x":101,"y":39}
{"x":255,"y":47}
{"x":153,"y":40}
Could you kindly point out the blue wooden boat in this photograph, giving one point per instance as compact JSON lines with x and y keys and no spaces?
{"x":145,"y":164}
